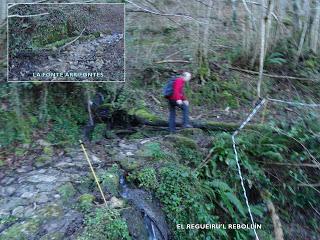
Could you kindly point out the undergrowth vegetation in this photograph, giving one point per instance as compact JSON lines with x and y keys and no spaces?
{"x":105,"y":223}
{"x":59,"y":120}
{"x":281,"y":59}
{"x":213,"y":194}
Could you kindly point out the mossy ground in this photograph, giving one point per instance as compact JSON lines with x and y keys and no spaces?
{"x":29,"y":227}
{"x":67,"y":191}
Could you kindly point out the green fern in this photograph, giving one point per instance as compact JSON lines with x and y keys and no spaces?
{"x":236,"y":202}
{"x":222,"y":186}
{"x":275,"y":59}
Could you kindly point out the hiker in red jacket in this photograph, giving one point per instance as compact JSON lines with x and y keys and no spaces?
{"x":178,"y":99}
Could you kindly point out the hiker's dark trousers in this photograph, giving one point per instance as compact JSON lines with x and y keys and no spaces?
{"x":172,"y":115}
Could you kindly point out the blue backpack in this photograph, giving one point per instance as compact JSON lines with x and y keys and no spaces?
{"x":167,"y":90}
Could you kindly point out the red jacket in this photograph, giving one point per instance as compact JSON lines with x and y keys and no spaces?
{"x":178,"y":90}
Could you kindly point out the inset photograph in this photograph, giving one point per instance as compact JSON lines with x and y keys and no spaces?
{"x":66,"y":42}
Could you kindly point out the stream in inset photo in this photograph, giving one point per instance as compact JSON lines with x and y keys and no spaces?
{"x":66,"y":42}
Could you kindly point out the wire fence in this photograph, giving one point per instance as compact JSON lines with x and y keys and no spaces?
{"x":244,"y":123}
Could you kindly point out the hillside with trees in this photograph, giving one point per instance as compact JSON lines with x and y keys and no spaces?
{"x":254,"y":64}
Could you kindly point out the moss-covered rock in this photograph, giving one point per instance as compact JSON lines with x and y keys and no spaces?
{"x":110,"y":179}
{"x":22,"y":230}
{"x":2,"y":163}
{"x":137,"y":135}
{"x":181,"y":141}
{"x":66,"y":191}
{"x":135,"y":222}
{"x":116,"y":203}
{"x":45,"y":157}
{"x":153,"y":151}
{"x":48,"y":150}
{"x":144,"y":115}
{"x":85,"y":202}
{"x":49,"y":211}
{"x":19,"y":152}
{"x":191,"y":132}
{"x":130,"y":164}
{"x":108,"y":106}
{"x":146,"y":178}
{"x":31,"y":226}
{"x":7,"y":219}
{"x":42,"y":160}
{"x":86,"y":198}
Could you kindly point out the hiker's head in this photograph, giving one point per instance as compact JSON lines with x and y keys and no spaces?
{"x":186,"y":76}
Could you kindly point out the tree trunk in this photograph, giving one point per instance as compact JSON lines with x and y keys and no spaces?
{"x":234,"y":12}
{"x":268,"y":26}
{"x":44,"y":106}
{"x":16,"y":101}
{"x":282,"y":6}
{"x":88,"y":97}
{"x":262,"y":47}
{"x":314,"y":35}
{"x":3,"y":11}
{"x":204,"y":62}
{"x":296,"y":18}
{"x":146,"y":118}
{"x":250,"y":34}
{"x":301,"y":42}
{"x":206,"y":31}
{"x":197,"y":43}
{"x":245,"y":38}
{"x":22,"y":131}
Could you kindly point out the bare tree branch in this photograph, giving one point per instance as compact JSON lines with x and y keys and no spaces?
{"x":309,"y":184}
{"x":164,"y":14}
{"x":67,"y":44}
{"x":207,"y":5}
{"x":28,"y":16}
{"x":277,"y":226}
{"x":272,"y":13}
{"x":311,"y":157}
{"x":310,"y":165}
{"x":16,"y":4}
{"x":270,"y":75}
{"x":172,"y":61}
{"x":246,"y":7}
{"x":314,"y":209}
{"x":176,"y":52}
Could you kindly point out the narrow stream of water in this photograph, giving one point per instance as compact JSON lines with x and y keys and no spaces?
{"x":148,"y":223}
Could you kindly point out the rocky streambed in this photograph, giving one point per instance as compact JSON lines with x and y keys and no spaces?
{"x":43,"y":197}
{"x":35,"y":199}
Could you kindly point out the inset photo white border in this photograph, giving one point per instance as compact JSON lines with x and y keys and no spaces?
{"x":73,"y":3}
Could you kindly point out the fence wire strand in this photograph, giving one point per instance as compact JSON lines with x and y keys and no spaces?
{"x":248,"y":119}
{"x":294,"y":103}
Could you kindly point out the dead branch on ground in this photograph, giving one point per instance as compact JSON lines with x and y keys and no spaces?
{"x":172,"y":61}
